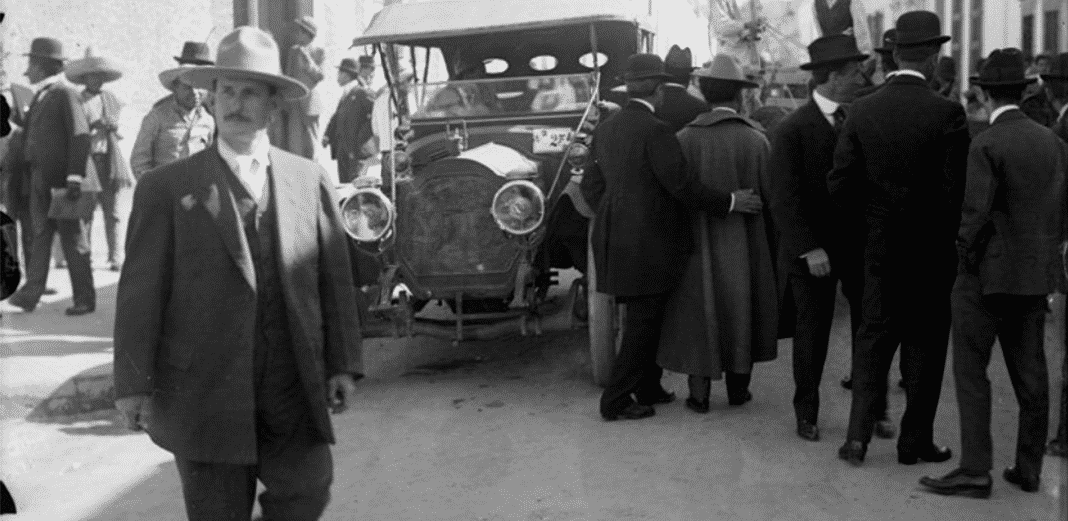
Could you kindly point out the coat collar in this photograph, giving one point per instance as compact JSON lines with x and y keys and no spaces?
{"x":715,"y":117}
{"x":641,"y":105}
{"x":906,"y":79}
{"x":1012,"y":113}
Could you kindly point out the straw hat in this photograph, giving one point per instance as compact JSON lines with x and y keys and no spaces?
{"x":250,"y":54}
{"x":77,"y":70}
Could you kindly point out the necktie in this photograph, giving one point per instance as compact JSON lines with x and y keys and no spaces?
{"x":839,"y":118}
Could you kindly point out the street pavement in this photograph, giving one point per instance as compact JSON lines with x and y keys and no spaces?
{"x":506,"y":430}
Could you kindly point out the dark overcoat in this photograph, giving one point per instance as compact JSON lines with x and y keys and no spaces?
{"x":1012,"y":220}
{"x":349,"y":130}
{"x":56,"y":139}
{"x":680,"y":107}
{"x":186,"y":305}
{"x":642,"y":193}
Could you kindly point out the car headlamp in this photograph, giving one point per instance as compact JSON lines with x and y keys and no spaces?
{"x":519,"y":207}
{"x":577,"y":155}
{"x":367,"y":215}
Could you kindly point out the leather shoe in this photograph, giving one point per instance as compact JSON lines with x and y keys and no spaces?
{"x":740,"y":399}
{"x":932,"y":454}
{"x":847,"y":383}
{"x":808,"y":431}
{"x":960,"y":483}
{"x":853,"y":452}
{"x":1014,"y":476}
{"x":663,"y":398}
{"x":80,"y":309}
{"x":20,"y":301}
{"x":634,"y":411}
{"x":885,"y":429}
{"x":698,"y":406}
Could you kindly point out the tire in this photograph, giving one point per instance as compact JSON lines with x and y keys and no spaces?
{"x":603,"y":324}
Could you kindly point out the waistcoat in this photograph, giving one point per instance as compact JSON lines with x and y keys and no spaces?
{"x":834,"y":20}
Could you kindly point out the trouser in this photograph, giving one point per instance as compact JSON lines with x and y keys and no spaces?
{"x":905,"y":306}
{"x":303,"y":134}
{"x":635,"y":370}
{"x":1062,"y":427}
{"x":109,"y":203}
{"x":1018,"y":321}
{"x":701,"y":386}
{"x":25,"y":237}
{"x":74,"y":238}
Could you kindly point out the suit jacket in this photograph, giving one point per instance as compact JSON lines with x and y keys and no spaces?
{"x":1039,"y":108}
{"x":349,"y":130}
{"x":680,"y":107}
{"x":1012,"y":220}
{"x":1060,"y":127}
{"x":186,"y":304}
{"x":57,"y":136}
{"x":642,"y":233}
{"x":900,"y":160}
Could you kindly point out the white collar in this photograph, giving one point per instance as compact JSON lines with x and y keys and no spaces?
{"x":49,"y":81}
{"x":261,"y":148}
{"x":1064,"y":109}
{"x":827,"y":106}
{"x":674,"y":84}
{"x":906,"y":72}
{"x":646,"y":103}
{"x":726,"y":109}
{"x":1001,"y":110}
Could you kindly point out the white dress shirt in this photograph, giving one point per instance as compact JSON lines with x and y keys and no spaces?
{"x":1001,"y":110}
{"x":826,"y":105}
{"x":251,"y":169}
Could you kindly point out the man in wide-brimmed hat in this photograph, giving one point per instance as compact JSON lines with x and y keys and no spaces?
{"x":104,"y":110}
{"x":1011,"y":230}
{"x":304,"y":62}
{"x":642,"y":232}
{"x":721,"y":319}
{"x":350,"y":133}
{"x":180,"y":124}
{"x":680,"y":107}
{"x":56,"y":147}
{"x":899,"y":169}
{"x":814,"y":251}
{"x":236,"y":326}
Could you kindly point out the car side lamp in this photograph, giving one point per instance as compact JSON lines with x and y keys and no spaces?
{"x":368,"y":215}
{"x":518,"y":207}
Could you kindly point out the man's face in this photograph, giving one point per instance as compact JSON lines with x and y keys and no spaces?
{"x":34,"y":72}
{"x":186,"y":96}
{"x":243,"y":107}
{"x":94,"y":81}
{"x":367,"y":74}
{"x":343,"y":77}
{"x":303,"y":38}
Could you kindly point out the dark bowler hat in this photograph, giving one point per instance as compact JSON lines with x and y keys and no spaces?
{"x":832,"y":50}
{"x":1058,"y":68}
{"x":679,"y":59}
{"x":1003,"y":68}
{"x":349,"y":65}
{"x":366,"y":61}
{"x":644,"y":67}
{"x":195,"y":53}
{"x":888,"y":42}
{"x":48,"y":48}
{"x":919,"y":28}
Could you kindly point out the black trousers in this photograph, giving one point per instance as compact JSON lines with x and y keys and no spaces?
{"x":1018,"y":321}
{"x":74,"y":238}
{"x":635,"y":370}
{"x":908,"y":306}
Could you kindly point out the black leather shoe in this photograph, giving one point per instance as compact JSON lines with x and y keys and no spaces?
{"x":933,"y":454}
{"x":960,"y":483}
{"x":20,"y":301}
{"x":847,"y":383}
{"x":740,"y":399}
{"x":885,"y":429}
{"x":80,"y":309}
{"x":808,"y":431}
{"x":634,"y":411}
{"x":853,"y":452}
{"x":698,"y":406}
{"x":1014,"y":476}
{"x":665,"y":397}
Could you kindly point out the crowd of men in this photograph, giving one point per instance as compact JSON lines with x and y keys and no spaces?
{"x":721,"y":236}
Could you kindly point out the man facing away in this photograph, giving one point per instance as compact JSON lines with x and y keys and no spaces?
{"x":236,"y":326}
{"x":304,"y":62}
{"x":349,"y":133}
{"x":1011,"y":229}
{"x":680,"y":107}
{"x":177,"y":127}
{"x":642,"y":232}
{"x":899,"y":170}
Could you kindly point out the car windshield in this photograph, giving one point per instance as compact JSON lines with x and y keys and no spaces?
{"x":503,"y":96}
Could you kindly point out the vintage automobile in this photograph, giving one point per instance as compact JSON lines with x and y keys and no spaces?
{"x":478,"y":204}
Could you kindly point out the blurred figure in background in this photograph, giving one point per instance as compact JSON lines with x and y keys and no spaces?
{"x":178,"y":126}
{"x":349,"y":134}
{"x":304,"y":63}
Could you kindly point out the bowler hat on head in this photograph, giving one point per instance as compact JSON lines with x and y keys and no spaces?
{"x":48,"y":48}
{"x":1058,"y":69}
{"x":308,"y":24}
{"x":247,"y":53}
{"x":724,"y":68}
{"x":78,"y":70}
{"x":888,"y":42}
{"x":349,"y":65}
{"x":643,"y":66}
{"x":679,"y":59}
{"x":195,"y":53}
{"x":919,"y":28}
{"x":831,"y":50}
{"x":1003,"y":68}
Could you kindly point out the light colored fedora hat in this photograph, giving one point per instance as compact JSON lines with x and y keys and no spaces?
{"x":168,"y":76}
{"x":724,"y":68}
{"x":250,"y":54}
{"x":77,"y":70}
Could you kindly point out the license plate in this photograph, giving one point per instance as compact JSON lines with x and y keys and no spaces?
{"x":552,"y":140}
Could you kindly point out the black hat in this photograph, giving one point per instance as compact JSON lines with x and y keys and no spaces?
{"x":1058,"y":68}
{"x":195,"y":53}
{"x":349,"y":65}
{"x":679,"y":61}
{"x":919,"y":28}
{"x":1004,"y":67}
{"x":832,"y":50}
{"x":366,"y":61}
{"x":48,"y":48}
{"x":644,"y":67}
{"x":888,"y":42}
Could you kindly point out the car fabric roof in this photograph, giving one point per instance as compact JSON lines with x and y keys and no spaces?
{"x":413,"y":22}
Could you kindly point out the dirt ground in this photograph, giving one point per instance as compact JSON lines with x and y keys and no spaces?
{"x":506,"y":430}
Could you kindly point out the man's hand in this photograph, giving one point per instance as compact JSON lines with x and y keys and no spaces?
{"x":745,"y":201}
{"x":74,"y":190}
{"x":341,"y":389}
{"x":137,"y":410}
{"x":819,"y":264}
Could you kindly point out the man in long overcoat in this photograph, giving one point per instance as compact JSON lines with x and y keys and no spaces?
{"x":1011,"y":230}
{"x":349,"y":133}
{"x":236,"y":325}
{"x":680,"y":107}
{"x":304,"y":62}
{"x":722,"y":318}
{"x":642,"y":232}
{"x":899,"y":167}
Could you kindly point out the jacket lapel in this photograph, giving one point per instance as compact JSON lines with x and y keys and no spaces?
{"x":215,"y":195}
{"x":295,"y":224}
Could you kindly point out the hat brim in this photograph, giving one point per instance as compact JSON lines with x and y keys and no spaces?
{"x":78,"y":77}
{"x":307,"y":28}
{"x":168,"y":76}
{"x":353,"y":72}
{"x":834,"y":61}
{"x":192,"y":61}
{"x":744,"y":84}
{"x":937,"y":40}
{"x":648,"y":76}
{"x":46,"y":57}
{"x":974,"y":80}
{"x":1053,"y":77}
{"x":202,"y":78}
